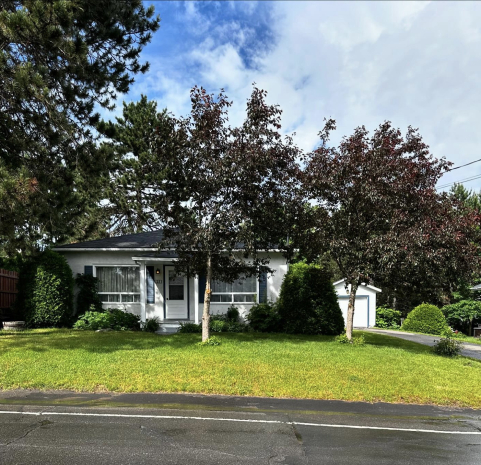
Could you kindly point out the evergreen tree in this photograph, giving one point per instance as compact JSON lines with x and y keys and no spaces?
{"x":58,"y":61}
{"x":137,"y":177}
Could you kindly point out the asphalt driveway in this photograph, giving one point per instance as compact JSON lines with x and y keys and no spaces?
{"x":468,"y":350}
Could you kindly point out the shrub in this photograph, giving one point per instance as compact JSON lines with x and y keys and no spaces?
{"x":425,"y":318}
{"x":447,"y":347}
{"x":46,"y":290}
{"x":342,"y":339}
{"x":264,"y":318}
{"x":356,"y":340}
{"x":232,"y":314}
{"x":388,"y":318}
{"x":463,"y":314}
{"x":152,"y":325}
{"x":87,"y":298}
{"x":111,"y":318}
{"x":212,"y":341}
{"x":189,"y":328}
{"x":217,"y":326}
{"x":308,"y":302}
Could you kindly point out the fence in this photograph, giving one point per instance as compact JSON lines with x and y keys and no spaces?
{"x":8,"y":288}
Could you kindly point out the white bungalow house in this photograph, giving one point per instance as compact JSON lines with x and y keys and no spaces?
{"x":135,"y":276}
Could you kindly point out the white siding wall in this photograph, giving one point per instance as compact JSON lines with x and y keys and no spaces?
{"x":78,"y":260}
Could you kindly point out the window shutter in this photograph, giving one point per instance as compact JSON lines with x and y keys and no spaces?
{"x":88,"y":270}
{"x":150,"y":285}
{"x":202,"y":281}
{"x":263,"y":287}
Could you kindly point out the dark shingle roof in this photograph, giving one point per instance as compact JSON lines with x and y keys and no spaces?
{"x":128,"y":241}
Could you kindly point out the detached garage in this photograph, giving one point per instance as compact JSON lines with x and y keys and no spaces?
{"x":364,"y":307}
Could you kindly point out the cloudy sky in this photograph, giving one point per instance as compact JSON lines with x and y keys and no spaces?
{"x":413,"y":63}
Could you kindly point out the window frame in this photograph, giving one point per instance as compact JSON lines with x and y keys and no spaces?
{"x":232,"y":294}
{"x":120,"y":294}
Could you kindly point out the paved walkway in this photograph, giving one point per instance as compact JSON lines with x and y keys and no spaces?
{"x":468,"y":350}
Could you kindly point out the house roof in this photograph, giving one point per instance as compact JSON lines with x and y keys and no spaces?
{"x":144,"y":240}
{"x":376,"y":289}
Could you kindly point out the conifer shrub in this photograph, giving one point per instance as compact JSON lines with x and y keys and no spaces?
{"x":425,"y":318}
{"x":46,"y":291}
{"x":308,"y":302}
{"x":88,"y":298}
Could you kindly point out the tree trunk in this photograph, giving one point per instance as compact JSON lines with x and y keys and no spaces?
{"x":206,"y":313}
{"x":470,"y":333}
{"x":350,"y":310}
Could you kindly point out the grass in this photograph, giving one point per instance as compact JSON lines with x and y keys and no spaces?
{"x":385,"y":369}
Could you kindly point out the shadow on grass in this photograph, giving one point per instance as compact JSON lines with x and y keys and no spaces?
{"x":110,"y":342}
{"x":381,"y":340}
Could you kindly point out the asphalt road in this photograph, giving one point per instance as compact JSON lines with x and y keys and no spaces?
{"x":68,"y":428}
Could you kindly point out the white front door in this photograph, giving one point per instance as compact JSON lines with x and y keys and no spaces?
{"x":175,"y":294}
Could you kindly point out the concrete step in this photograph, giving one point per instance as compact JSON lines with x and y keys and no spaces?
{"x":170,"y":327}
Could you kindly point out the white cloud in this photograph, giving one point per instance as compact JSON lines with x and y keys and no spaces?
{"x":414,"y":63}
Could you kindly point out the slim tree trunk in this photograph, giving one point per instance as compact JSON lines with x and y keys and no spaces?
{"x":350,"y":310}
{"x":206,"y":313}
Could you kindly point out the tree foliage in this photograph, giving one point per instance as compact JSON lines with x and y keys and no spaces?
{"x":59,"y":59}
{"x":379,"y":214}
{"x":228,"y":189}
{"x":461,"y":315}
{"x":137,"y":176}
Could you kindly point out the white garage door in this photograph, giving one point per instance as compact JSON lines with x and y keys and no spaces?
{"x":360,"y":311}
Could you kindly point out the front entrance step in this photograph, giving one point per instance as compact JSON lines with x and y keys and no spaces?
{"x":170,"y":326}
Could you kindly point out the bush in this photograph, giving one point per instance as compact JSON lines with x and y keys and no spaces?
{"x":152,"y":325}
{"x":189,"y":328}
{"x":308,"y":302}
{"x":264,"y":318}
{"x":462,"y":315}
{"x":447,"y":347}
{"x":212,"y":341}
{"x":88,"y":297}
{"x":388,"y":318}
{"x":111,"y":318}
{"x":46,"y":291}
{"x":232,"y":314}
{"x":217,"y":326}
{"x":425,"y":318}
{"x":342,"y":339}
{"x":356,"y":340}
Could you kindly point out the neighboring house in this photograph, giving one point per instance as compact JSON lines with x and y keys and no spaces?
{"x":136,"y":276}
{"x":364,"y":307}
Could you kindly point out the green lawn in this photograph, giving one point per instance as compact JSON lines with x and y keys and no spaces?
{"x":385,"y":369}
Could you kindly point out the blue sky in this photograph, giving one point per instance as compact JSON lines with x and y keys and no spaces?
{"x":414,"y":63}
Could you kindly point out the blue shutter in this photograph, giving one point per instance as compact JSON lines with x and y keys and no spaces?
{"x":202,"y":281}
{"x":88,"y":270}
{"x":150,"y":285}
{"x":263,"y":287}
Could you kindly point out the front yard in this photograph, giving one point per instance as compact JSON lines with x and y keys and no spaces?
{"x":386,"y":369}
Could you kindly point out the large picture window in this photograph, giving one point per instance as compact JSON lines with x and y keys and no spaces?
{"x":120,"y":284}
{"x":243,"y":290}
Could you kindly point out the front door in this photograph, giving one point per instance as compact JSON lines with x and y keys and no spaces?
{"x":175,"y":295}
